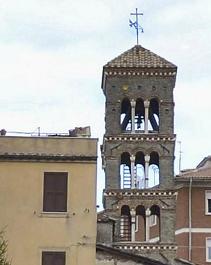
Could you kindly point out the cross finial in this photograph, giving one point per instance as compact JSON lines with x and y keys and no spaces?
{"x":136,"y":24}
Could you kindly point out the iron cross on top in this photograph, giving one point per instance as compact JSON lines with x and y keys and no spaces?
{"x":136,"y":24}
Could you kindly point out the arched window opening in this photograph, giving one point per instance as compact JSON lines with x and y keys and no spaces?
{"x":154,"y":115}
{"x":140,"y":223}
{"x":155,"y":210}
{"x":153,"y":176}
{"x":139,"y":171}
{"x":154,"y":172}
{"x":125,"y":224}
{"x":139,"y":115}
{"x":125,"y":171}
{"x":154,"y":223}
{"x":125,"y":119}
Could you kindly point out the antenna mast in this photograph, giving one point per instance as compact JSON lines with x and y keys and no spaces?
{"x":180,"y":155}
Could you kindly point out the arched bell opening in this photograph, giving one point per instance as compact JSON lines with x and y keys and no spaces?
{"x":139,"y":115}
{"x":154,"y":223}
{"x":140,"y":227}
{"x":125,"y":171}
{"x":125,"y":119}
{"x":139,"y":170}
{"x":154,"y":170}
{"x":125,"y":224}
{"x":154,"y":115}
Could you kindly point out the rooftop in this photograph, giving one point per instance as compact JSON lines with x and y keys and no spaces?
{"x":139,"y":57}
{"x":203,"y":170}
{"x":51,"y":147}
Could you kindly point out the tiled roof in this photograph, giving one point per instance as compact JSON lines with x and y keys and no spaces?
{"x":203,"y":170}
{"x":206,"y":162}
{"x":127,"y":256}
{"x":104,"y":217}
{"x":139,"y":57}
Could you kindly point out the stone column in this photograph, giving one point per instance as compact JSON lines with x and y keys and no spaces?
{"x":133,"y":224}
{"x":148,"y":213}
{"x":132,"y":160}
{"x":133,"y":105}
{"x":146,"y":182}
{"x":146,"y":109}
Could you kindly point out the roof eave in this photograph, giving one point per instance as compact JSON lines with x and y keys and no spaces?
{"x":141,"y":68}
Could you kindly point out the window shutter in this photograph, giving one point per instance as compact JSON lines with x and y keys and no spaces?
{"x":59,"y":259}
{"x":47,"y":258}
{"x":55,"y":192}
{"x":53,"y":258}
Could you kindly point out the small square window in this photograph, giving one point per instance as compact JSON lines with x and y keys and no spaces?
{"x":55,"y":192}
{"x":208,"y":202}
{"x":53,"y":258}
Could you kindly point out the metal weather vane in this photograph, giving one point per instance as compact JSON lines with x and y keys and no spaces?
{"x":136,"y":24}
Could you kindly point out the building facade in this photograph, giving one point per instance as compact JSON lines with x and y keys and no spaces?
{"x":47,"y":199}
{"x":193,"y":213}
{"x":138,"y":156}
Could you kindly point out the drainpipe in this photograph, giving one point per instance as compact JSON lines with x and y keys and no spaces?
{"x":190,"y":220}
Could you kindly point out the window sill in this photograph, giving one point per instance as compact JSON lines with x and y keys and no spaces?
{"x":54,"y":214}
{"x":208,"y":213}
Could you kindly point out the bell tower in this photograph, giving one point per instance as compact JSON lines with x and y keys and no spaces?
{"x":138,"y":152}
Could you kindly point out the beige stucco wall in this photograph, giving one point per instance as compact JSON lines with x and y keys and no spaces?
{"x":48,"y":145}
{"x":27,"y":229}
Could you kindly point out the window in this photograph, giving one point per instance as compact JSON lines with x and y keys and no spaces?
{"x":152,"y":220}
{"x":208,"y":249}
{"x":208,"y":202}
{"x":55,"y":192}
{"x":53,"y":258}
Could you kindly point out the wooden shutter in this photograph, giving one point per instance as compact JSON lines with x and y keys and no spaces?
{"x":53,"y":258}
{"x":55,"y":192}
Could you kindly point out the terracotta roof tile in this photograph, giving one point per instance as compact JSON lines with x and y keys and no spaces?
{"x":203,"y":170}
{"x":103,"y":216}
{"x":139,"y":57}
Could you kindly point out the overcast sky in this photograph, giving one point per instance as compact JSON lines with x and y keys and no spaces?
{"x":52,"y":53}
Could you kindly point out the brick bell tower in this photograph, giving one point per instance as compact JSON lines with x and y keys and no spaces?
{"x":138,"y":153}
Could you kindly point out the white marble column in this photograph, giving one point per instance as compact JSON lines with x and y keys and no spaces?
{"x":133,"y":224}
{"x":148,"y":213}
{"x":132,"y":166}
{"x":146,"y":180}
{"x":133,"y":106}
{"x":146,"y":109}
